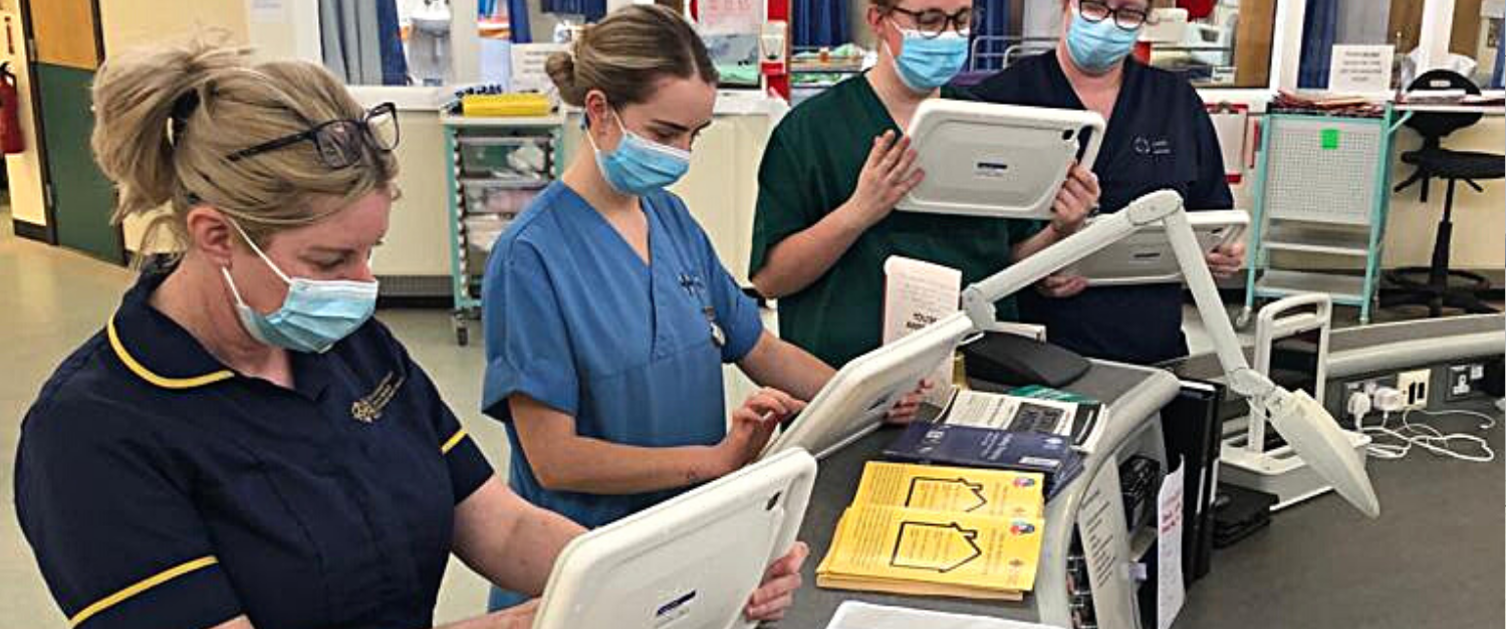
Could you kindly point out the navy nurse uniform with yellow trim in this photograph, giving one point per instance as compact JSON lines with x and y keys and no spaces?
{"x":159,"y":489}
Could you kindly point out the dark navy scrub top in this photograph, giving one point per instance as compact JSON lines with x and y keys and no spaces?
{"x":577,"y":321}
{"x":1158,"y":137}
{"x":159,"y":489}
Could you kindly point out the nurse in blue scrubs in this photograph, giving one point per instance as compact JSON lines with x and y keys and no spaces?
{"x":1158,"y":137}
{"x":608,"y":315}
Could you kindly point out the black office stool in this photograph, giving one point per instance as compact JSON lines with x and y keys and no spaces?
{"x":1437,"y":286}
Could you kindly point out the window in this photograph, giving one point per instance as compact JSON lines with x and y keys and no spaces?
{"x":407,"y":42}
{"x":1214,"y":43}
{"x":1211,"y":43}
{"x":1476,"y":36}
{"x":394,"y":43}
{"x":1327,"y":23}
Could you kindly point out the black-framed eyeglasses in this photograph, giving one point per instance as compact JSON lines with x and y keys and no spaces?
{"x":339,"y":143}
{"x":933,"y":22}
{"x":1127,"y":18}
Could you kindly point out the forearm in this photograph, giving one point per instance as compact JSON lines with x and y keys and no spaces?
{"x":802,"y":258}
{"x":509,"y":541}
{"x":777,"y":363}
{"x":587,"y":465}
{"x":1040,"y":240}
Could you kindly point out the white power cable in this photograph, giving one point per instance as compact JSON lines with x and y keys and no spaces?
{"x":1420,"y":435}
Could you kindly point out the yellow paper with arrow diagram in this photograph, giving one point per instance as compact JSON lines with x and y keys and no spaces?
{"x":952,"y":489}
{"x":912,"y":551}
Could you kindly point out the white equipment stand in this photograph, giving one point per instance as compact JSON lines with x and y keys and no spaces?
{"x":1281,"y":472}
{"x":688,"y":563}
{"x":1307,"y":427}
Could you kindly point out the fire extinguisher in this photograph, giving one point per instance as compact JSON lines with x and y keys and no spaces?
{"x":10,"y":113}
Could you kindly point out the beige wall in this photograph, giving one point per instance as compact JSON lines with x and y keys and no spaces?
{"x":1479,"y":239}
{"x":129,"y":24}
{"x":417,"y":241}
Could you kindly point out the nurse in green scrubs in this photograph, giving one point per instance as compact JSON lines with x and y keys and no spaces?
{"x":837,"y":164}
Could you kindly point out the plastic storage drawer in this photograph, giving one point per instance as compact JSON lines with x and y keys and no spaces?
{"x":522,"y":159}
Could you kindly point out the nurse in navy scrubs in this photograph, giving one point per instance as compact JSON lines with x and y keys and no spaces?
{"x":1158,"y":137}
{"x":242,"y":446}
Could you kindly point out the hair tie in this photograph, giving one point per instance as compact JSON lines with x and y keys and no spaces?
{"x":183,"y":107}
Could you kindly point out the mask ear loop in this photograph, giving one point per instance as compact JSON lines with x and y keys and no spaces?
{"x":259,"y":252}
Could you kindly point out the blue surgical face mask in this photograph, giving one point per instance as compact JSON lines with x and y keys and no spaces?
{"x":639,"y":166}
{"x":315,"y":314}
{"x":926,"y":63}
{"x":1097,"y":46}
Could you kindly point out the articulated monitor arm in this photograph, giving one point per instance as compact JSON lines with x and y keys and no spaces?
{"x":1305,"y":425}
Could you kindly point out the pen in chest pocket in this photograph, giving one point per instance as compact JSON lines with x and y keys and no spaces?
{"x":692,"y":285}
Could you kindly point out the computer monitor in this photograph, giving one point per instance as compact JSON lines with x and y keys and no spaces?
{"x":1001,"y":161}
{"x":856,"y":400}
{"x":690,"y":562}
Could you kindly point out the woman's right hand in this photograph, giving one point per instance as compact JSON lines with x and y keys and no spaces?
{"x":887,"y":176}
{"x":752,"y":425}
{"x":1062,"y":285}
{"x":516,"y":617}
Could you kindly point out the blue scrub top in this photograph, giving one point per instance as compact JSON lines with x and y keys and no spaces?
{"x":577,"y":321}
{"x":159,"y":489}
{"x":1159,"y":137}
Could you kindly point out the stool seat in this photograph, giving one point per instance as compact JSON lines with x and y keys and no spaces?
{"x":1450,"y":164}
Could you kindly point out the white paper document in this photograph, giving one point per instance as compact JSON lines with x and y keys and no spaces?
{"x":860,"y":615}
{"x":1170,"y":594}
{"x":1357,"y":69}
{"x":1005,"y":412}
{"x":916,"y":294}
{"x":1105,"y":545}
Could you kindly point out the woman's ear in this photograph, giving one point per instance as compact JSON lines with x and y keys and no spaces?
{"x":599,"y":113}
{"x":597,"y":108}
{"x":876,"y":21}
{"x":211,"y":234}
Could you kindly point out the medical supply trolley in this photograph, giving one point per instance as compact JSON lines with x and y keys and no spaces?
{"x":1322,"y":187}
{"x":496,"y":166}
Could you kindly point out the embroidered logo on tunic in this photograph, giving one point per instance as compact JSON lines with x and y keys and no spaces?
{"x":1147,"y":146}
{"x":369,"y":409}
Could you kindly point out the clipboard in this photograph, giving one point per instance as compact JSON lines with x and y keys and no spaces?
{"x":1231,"y":122}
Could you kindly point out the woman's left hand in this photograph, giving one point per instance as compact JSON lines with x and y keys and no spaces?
{"x":903,"y":411}
{"x":776,"y":592}
{"x":1225,"y":261}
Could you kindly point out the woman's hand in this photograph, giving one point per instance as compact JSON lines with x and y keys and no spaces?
{"x":776,"y":592}
{"x":903,"y":411}
{"x":517,"y":617}
{"x":1074,"y":201}
{"x":887,"y":176}
{"x":752,"y":425}
{"x":1225,"y":261}
{"x":1062,"y":285}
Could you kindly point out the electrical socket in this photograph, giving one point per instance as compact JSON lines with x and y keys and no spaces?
{"x":1462,"y":380}
{"x":1414,"y":384}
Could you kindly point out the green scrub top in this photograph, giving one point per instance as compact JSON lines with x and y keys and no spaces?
{"x":811,"y":167}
